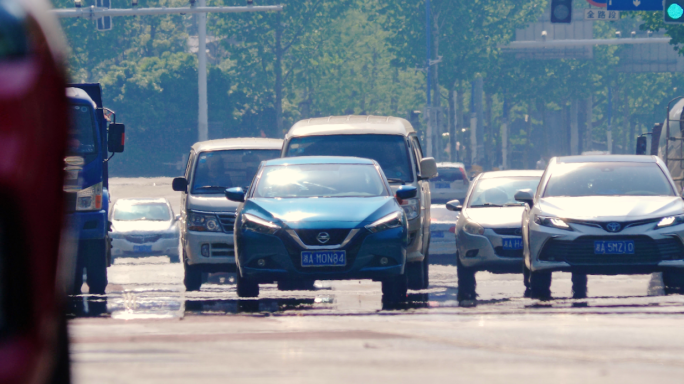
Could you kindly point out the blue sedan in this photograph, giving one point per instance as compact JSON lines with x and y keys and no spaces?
{"x":321,"y":218}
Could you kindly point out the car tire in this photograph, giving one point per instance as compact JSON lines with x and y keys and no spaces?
{"x":466,"y":281}
{"x":395,"y":290}
{"x":193,"y":278}
{"x":96,"y":266}
{"x":415,"y":275}
{"x":673,"y":281}
{"x":526,"y":275}
{"x":296,"y":285}
{"x":540,"y":285}
{"x":579,"y":285}
{"x":174,"y":258}
{"x":246,"y":287}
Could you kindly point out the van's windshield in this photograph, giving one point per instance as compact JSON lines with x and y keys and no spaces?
{"x":219,"y":170}
{"x":390,"y":151}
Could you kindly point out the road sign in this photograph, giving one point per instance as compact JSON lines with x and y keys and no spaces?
{"x":635,"y":5}
{"x":598,"y":3}
{"x":601,"y":15}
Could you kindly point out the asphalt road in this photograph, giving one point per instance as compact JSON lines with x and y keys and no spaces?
{"x":147,"y":329}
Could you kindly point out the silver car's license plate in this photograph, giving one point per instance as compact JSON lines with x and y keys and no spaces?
{"x":324,"y":258}
{"x":513,"y":244}
{"x":142,"y":248}
{"x":614,"y":247}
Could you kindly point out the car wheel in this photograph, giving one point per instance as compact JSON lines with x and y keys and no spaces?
{"x":246,"y":287}
{"x":579,"y":285}
{"x":96,"y":266}
{"x":415,"y":275}
{"x":673,"y":281}
{"x":193,"y":278}
{"x":540,"y":285}
{"x":526,"y":275}
{"x":394,"y":290}
{"x":174,"y":258}
{"x":296,"y":285}
{"x":466,"y":281}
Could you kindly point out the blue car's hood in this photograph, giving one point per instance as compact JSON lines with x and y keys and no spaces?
{"x":304,"y":212}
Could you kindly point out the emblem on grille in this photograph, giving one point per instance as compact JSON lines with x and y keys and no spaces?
{"x":613,"y":227}
{"x":323,"y":237}
{"x":518,"y":231}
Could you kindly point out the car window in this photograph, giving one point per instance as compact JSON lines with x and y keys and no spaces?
{"x":320,"y":180}
{"x":218,"y":170}
{"x":191,"y":158}
{"x":82,"y":138}
{"x":499,"y":191}
{"x":390,"y":151}
{"x":608,"y":179}
{"x":130,"y":212}
{"x":449,"y":175}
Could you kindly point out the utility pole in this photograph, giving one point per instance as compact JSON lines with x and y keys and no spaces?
{"x":428,"y":110}
{"x":93,"y":13}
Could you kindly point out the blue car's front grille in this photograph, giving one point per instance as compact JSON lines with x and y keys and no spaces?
{"x":334,"y":236}
{"x":294,"y":250}
{"x":581,"y":251}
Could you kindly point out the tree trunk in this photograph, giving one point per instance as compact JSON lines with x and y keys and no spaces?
{"x":589,"y":132}
{"x":489,"y":141}
{"x":459,"y":122}
{"x":451,"y":123}
{"x":278,"y":68}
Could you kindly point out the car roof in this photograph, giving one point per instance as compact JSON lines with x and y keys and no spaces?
{"x":351,"y":124}
{"x":512,"y":173}
{"x":450,"y":165}
{"x":77,"y":94}
{"x":139,"y":200}
{"x":319,"y":160}
{"x":607,"y":159}
{"x":238,"y":143}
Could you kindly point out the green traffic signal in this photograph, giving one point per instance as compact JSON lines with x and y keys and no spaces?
{"x":675,"y":11}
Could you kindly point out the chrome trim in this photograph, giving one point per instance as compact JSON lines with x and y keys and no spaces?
{"x":346,"y":241}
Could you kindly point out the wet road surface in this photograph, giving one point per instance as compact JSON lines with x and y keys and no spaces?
{"x":149,"y":330}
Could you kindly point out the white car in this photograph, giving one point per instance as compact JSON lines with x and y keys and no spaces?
{"x":610,"y":214}
{"x":144,"y":227}
{"x":451,"y":183}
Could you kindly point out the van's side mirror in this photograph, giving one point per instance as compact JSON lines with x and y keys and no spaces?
{"x":428,"y":168}
{"x":406,"y":192}
{"x":116,"y":138}
{"x":235,"y":194}
{"x":177,"y":217}
{"x":641,"y":145}
{"x":454,"y":205}
{"x":179,"y":184}
{"x":525,"y":196}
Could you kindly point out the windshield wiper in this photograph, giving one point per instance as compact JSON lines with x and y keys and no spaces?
{"x":210,"y":187}
{"x":513,"y":204}
{"x":392,"y":180}
{"x":486,"y":205}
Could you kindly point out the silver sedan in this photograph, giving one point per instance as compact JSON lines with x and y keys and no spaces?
{"x":602,"y":215}
{"x":488,"y":230}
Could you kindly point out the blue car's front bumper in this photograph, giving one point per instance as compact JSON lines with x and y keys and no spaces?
{"x":269,"y":258}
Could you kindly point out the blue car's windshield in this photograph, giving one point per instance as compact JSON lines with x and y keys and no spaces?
{"x":81,"y":130}
{"x":390,"y":151}
{"x":320,"y":180}
{"x":608,"y":179}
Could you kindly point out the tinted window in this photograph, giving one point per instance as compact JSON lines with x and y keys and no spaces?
{"x":449,"y":174}
{"x":81,"y":130}
{"x":608,"y":179}
{"x":131,"y":212}
{"x":219,"y":170}
{"x":390,"y":151}
{"x":320,"y":180}
{"x":500,"y":191}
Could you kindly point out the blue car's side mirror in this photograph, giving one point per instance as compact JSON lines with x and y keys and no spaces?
{"x":235,"y":194}
{"x":406,"y":192}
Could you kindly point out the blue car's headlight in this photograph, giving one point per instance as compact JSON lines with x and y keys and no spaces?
{"x":393,"y":220}
{"x":553,"y":222}
{"x":670,"y":221}
{"x":258,"y":225}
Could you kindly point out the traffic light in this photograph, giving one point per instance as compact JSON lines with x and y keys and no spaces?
{"x":561,"y":11}
{"x":673,"y":11}
{"x":104,"y":23}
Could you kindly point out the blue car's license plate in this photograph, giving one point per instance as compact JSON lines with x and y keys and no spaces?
{"x":442,"y":185}
{"x":513,"y":244}
{"x":614,"y":247}
{"x":324,"y":258}
{"x":142,"y":248}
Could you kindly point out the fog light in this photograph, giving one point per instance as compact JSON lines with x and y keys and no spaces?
{"x":261,"y":263}
{"x":472,"y":253}
{"x":384,"y":261}
{"x":205,"y":250}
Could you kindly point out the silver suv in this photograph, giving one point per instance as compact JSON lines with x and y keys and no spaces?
{"x":393,"y":143}
{"x":207,"y":217}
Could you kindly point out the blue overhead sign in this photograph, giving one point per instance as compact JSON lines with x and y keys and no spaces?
{"x":635,"y":5}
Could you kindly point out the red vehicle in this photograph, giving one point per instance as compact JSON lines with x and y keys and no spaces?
{"x":33,"y":137}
